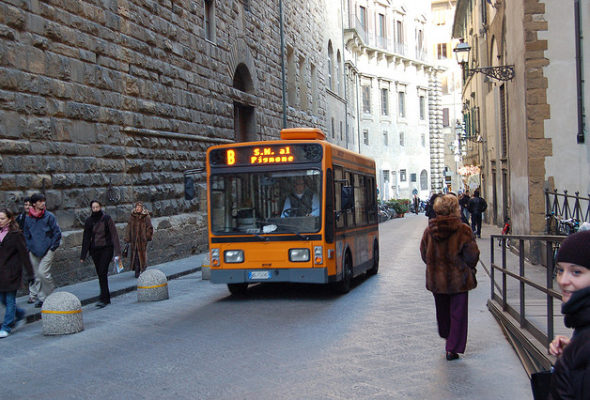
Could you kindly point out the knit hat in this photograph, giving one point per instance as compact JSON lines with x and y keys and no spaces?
{"x":576,"y":249}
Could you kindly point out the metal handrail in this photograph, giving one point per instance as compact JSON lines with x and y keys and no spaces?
{"x":551,"y":243}
{"x":565,"y":210}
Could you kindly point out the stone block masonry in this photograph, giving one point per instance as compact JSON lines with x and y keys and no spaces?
{"x":114,"y":100}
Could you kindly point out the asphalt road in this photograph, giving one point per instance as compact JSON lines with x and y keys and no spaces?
{"x":281,"y":342}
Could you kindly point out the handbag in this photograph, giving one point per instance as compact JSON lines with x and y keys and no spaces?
{"x":125,"y":251}
{"x":541,"y":384}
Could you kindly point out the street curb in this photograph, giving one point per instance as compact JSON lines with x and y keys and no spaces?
{"x":36,"y":315}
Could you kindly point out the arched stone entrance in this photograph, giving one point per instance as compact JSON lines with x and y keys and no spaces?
{"x":244,"y":92}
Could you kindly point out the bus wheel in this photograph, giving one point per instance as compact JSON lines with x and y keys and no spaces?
{"x":237,"y":289}
{"x":343,"y":286}
{"x":373,"y":270}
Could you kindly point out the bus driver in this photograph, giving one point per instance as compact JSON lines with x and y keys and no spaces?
{"x":301,"y":202}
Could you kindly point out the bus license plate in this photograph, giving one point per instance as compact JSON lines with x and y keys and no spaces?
{"x":258,"y":275}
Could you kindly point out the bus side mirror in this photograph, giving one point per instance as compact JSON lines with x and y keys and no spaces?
{"x":347,"y":197}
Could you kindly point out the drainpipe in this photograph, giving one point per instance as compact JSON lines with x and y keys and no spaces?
{"x":345,"y":74}
{"x":283,"y":64}
{"x":579,"y":70}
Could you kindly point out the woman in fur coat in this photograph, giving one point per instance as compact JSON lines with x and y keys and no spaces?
{"x":139,"y":231}
{"x":449,"y":250}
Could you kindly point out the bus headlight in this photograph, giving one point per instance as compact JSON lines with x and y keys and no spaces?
{"x":298,"y":255}
{"x":318,"y":255}
{"x":215,"y":257}
{"x":233,"y":256}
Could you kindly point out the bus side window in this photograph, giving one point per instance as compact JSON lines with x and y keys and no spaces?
{"x":338,"y":179}
{"x":329,"y":206}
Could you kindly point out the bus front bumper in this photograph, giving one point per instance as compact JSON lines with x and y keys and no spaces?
{"x":299,"y":275}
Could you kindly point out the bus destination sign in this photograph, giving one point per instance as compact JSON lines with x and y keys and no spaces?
{"x":266,"y":155}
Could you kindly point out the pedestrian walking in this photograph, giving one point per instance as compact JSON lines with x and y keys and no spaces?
{"x":451,"y":254}
{"x":102,"y":242}
{"x":416,"y":204}
{"x":43,"y":236}
{"x":139,"y":231}
{"x":464,"y":203}
{"x":20,"y":219}
{"x":571,"y":376}
{"x":13,"y":258}
{"x":476,"y":206}
{"x":429,"y":209}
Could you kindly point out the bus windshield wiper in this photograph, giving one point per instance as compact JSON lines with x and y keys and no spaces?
{"x":293,"y":230}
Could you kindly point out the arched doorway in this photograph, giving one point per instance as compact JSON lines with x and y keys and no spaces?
{"x":244,"y":110}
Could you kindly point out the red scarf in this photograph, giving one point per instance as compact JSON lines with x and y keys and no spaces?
{"x":36,"y":214}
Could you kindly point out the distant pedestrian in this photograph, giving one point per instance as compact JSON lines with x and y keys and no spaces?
{"x":20,"y":219}
{"x":13,"y":258}
{"x":476,"y":206}
{"x":429,"y":209}
{"x":571,"y":377}
{"x":139,"y":231}
{"x":416,"y":204}
{"x":464,"y":203}
{"x":451,"y":254}
{"x":102,"y":242}
{"x":43,"y":237}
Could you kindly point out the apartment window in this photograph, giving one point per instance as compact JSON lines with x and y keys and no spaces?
{"x":401,"y":139}
{"x":384,"y":101}
{"x":332,"y":128}
{"x":402,"y":175}
{"x":303,"y":82}
{"x":402,"y":104}
{"x":330,"y":66}
{"x":314,"y":89}
{"x":386,"y":176}
{"x":445,"y":116}
{"x":441,"y":51}
{"x":399,"y":32}
{"x":366,"y":91}
{"x":382,"y":32}
{"x":366,"y":137}
{"x":210,"y":20}
{"x":424,"y":180}
{"x":445,"y":85}
{"x":291,"y":78}
{"x":363,"y":18}
{"x":338,"y":73}
{"x":385,"y":138}
{"x":423,"y":140}
{"x":422,"y":108}
{"x":412,"y":177}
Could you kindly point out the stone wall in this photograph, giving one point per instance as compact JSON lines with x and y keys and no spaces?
{"x":114,"y":99}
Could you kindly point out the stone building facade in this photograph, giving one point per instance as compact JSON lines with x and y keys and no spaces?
{"x":389,"y":77}
{"x":117,"y":100}
{"x":533,"y":127}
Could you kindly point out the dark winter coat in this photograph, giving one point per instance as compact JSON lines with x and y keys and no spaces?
{"x":13,"y":258}
{"x":139,"y":231}
{"x":100,"y":233}
{"x":571,"y":378}
{"x":451,"y":254}
{"x":42,"y":234}
{"x":477,"y":205}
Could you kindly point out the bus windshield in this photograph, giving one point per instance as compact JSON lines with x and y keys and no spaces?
{"x":266,"y":202}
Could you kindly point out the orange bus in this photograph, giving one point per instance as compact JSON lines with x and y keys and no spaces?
{"x":298,"y":209}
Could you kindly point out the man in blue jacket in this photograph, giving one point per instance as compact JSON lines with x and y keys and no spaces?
{"x":43,"y":237}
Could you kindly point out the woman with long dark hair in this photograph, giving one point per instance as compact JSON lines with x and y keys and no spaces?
{"x":13,"y":257}
{"x":102,"y":242}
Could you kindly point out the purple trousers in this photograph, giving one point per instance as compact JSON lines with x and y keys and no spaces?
{"x":451,"y":317}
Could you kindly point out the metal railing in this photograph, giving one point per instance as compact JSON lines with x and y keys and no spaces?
{"x":515,"y":306}
{"x":560,"y":205}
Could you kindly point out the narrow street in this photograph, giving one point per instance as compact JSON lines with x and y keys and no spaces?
{"x":281,"y":342}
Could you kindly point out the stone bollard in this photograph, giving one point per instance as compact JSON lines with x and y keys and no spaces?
{"x":152,"y":285}
{"x":205,"y":269}
{"x":61,"y":314}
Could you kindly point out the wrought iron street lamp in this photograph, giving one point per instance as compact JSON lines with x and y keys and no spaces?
{"x":501,"y":72}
